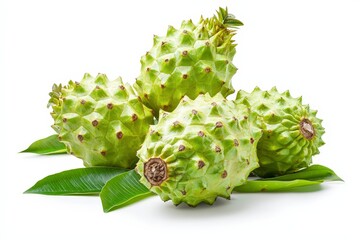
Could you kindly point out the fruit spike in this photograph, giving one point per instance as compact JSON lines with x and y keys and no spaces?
{"x":200,"y":151}
{"x":100,"y":121}
{"x":191,"y":60}
{"x":292,"y":132}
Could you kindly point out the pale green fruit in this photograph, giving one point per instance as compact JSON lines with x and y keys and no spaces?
{"x":191,"y":60}
{"x":100,"y":121}
{"x":292,"y":132}
{"x":200,"y":151}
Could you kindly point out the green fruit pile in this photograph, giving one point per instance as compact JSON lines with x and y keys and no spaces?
{"x":187,"y":142}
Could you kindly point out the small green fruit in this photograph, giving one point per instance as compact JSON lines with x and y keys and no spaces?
{"x":291,"y":131}
{"x":101,"y":122}
{"x":191,"y":60}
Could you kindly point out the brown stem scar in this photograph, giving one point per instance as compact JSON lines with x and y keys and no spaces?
{"x":307,"y":129}
{"x":155,"y":171}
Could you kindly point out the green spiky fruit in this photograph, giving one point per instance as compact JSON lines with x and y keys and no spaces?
{"x":191,"y":60}
{"x":100,"y":121}
{"x":200,"y":151}
{"x":292,"y":132}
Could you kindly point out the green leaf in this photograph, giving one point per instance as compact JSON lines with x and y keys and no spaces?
{"x":313,"y":173}
{"x":81,"y":181}
{"x":46,"y":146}
{"x":123,"y":190}
{"x":274,"y":185}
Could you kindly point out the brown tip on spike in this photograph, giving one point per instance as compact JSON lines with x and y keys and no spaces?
{"x":245,"y":117}
{"x":119,"y":135}
{"x":183,"y":192}
{"x":201,"y":164}
{"x":185,"y":31}
{"x":224,"y":174}
{"x":134,"y":117}
{"x":148,"y":69}
{"x":214,"y":104}
{"x":236,"y":142}
{"x":252,"y":140}
{"x":155,"y":171}
{"x":103,"y":153}
{"x":307,"y":129}
{"x":122,"y":87}
{"x":162,"y":86}
{"x":184,"y":53}
{"x":217,"y":149}
{"x":226,"y":61}
{"x":218,"y":124}
{"x":146,"y":96}
{"x":201,"y":134}
{"x":207,"y":69}
{"x":97,"y":87}
{"x":181,"y":148}
{"x":80,"y":137}
{"x":184,"y":76}
{"x":163,"y":43}
{"x":82,"y":101}
{"x":77,"y":83}
{"x":207,"y":43}
{"x":166,"y":60}
{"x":247,"y":162}
{"x":176,"y":123}
{"x":165,"y":107}
{"x":194,"y":111}
{"x":110,"y":106}
{"x":95,"y":123}
{"x":64,"y":120}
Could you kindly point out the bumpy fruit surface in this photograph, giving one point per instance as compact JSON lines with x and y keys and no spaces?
{"x":201,"y":150}
{"x":100,"y":121}
{"x":291,"y":131}
{"x":191,"y":60}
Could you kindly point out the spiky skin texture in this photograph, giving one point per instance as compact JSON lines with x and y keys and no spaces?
{"x":101,"y":122}
{"x":191,"y":60}
{"x":200,"y":151}
{"x":291,"y":131}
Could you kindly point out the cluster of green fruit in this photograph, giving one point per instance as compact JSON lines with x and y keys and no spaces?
{"x":177,"y":129}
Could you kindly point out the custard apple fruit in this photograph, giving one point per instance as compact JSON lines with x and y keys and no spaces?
{"x":191,"y":60}
{"x":291,"y":131}
{"x":200,"y":151}
{"x":101,"y":122}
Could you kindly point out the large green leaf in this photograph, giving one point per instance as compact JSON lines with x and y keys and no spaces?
{"x":47,"y":146}
{"x":123,"y":190}
{"x":274,"y":186}
{"x":313,"y":173}
{"x":81,"y":181}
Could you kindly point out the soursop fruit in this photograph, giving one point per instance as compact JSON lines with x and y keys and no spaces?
{"x":291,"y":131}
{"x":191,"y":60}
{"x":200,"y":151}
{"x":101,"y":122}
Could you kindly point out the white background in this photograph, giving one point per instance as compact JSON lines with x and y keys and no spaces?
{"x":311,"y":48}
